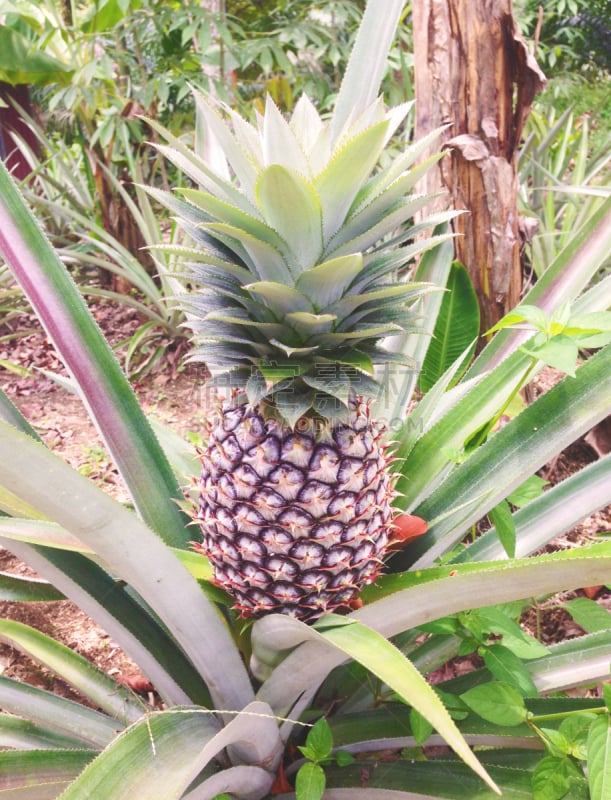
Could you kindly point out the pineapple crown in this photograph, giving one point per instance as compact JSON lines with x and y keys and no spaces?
{"x":300,"y":241}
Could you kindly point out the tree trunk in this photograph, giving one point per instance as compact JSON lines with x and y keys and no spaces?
{"x":473,"y":72}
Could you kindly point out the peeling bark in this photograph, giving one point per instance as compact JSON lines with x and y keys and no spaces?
{"x":473,"y":71}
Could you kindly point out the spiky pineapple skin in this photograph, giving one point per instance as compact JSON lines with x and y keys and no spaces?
{"x":294,"y":521}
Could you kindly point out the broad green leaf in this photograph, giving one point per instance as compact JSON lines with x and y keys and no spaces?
{"x":575,"y":730}
{"x":589,"y":614}
{"x":560,"y":352}
{"x":134,"y":553}
{"x":310,"y":782}
{"x":319,"y":741}
{"x":291,"y":206}
{"x":456,"y":328}
{"x":496,"y":702}
{"x":506,"y":667}
{"x":550,"y":780}
{"x":500,"y":517}
{"x":421,"y":728}
{"x":530,"y":490}
{"x":88,"y":357}
{"x":39,"y":774}
{"x":24,"y":62}
{"x":599,"y":758}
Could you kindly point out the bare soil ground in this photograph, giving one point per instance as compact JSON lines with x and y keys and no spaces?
{"x":176,"y":397}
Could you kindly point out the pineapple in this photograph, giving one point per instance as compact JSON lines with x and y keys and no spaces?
{"x":300,"y":240}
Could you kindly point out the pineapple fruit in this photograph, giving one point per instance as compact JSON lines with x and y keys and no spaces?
{"x":295,"y":278}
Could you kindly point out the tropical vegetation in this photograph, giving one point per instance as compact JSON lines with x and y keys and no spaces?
{"x":304,"y":635}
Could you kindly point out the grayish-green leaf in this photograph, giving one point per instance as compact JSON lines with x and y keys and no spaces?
{"x":134,"y":553}
{"x":70,"y":719}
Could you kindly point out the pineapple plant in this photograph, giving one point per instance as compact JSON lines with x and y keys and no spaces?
{"x":297,"y":274}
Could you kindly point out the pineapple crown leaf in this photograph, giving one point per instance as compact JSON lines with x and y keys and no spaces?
{"x":326,"y":283}
{"x":298,"y":218}
{"x":279,"y":142}
{"x":299,"y":237}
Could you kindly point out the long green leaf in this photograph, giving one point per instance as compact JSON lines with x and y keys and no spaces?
{"x":436,"y":449}
{"x":368,"y":61}
{"x":120,"y":612}
{"x":39,"y":774}
{"x":75,"y":669}
{"x":21,"y":734}
{"x":16,"y":588}
{"x":524,"y":445}
{"x":79,"y":342}
{"x":10,"y":413}
{"x":438,"y":779}
{"x":52,"y":536}
{"x":338,"y":183}
{"x":162,"y":754}
{"x":385,"y":661}
{"x":152,"y":759}
{"x":570,"y":272}
{"x":69,"y":719}
{"x":134,"y":553}
{"x":298,"y":215}
{"x":412,"y":598}
{"x":434,"y":267}
{"x":573,"y":662}
{"x":457,"y":326}
{"x":548,"y":516}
